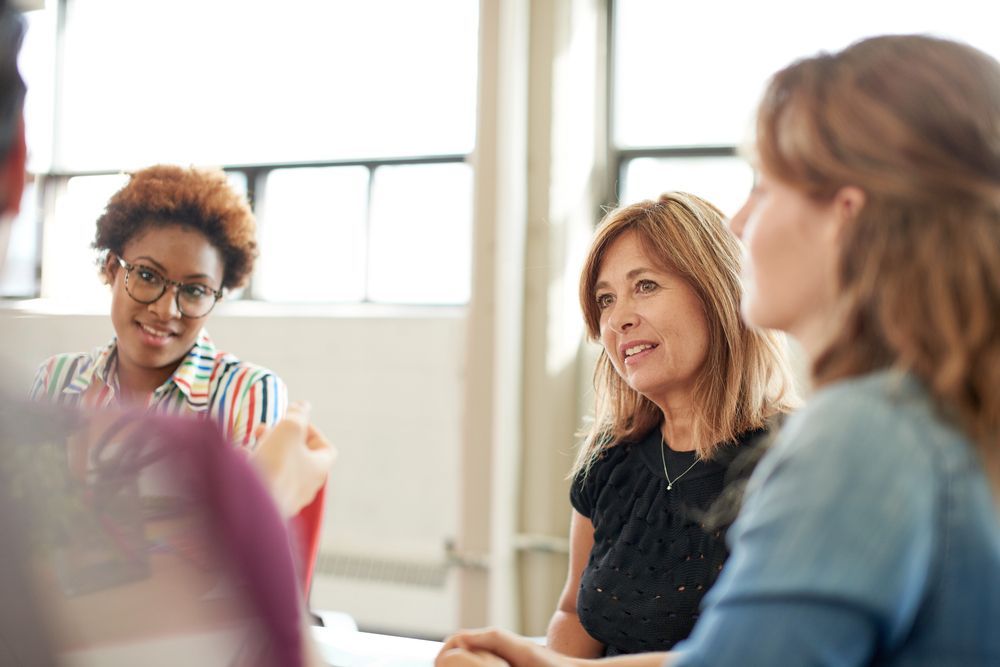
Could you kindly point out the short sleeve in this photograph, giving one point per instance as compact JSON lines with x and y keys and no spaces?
{"x":587,"y":485}
{"x":833,"y":547}
{"x":263,"y":401}
{"x":39,"y":387}
{"x":54,"y":375}
{"x":581,"y":493}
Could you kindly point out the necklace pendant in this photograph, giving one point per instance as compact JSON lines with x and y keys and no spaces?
{"x":669,"y":487}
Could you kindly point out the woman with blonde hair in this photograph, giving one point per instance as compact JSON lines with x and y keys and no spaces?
{"x":869,"y":533}
{"x":681,"y":385}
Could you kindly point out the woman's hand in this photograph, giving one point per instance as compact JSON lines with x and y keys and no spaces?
{"x":489,"y":648}
{"x":460,"y":657}
{"x":294,"y":459}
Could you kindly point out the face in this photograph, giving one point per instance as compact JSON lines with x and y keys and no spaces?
{"x":789,"y":275}
{"x":153,"y":338}
{"x":653,"y":327}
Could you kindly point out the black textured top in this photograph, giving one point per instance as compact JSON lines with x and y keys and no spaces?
{"x":652,"y":559}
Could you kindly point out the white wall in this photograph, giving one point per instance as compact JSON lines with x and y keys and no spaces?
{"x":386,"y":387}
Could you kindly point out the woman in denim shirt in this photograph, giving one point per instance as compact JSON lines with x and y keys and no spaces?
{"x":869,"y":533}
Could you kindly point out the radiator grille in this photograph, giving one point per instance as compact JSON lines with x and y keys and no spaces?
{"x":380,"y":569}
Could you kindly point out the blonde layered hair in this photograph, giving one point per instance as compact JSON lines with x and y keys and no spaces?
{"x":745,"y":378}
{"x":914,"y":122}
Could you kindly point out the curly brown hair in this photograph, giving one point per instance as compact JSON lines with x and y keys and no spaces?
{"x":199,"y":199}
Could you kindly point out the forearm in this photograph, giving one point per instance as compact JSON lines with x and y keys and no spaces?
{"x":635,"y":660}
{"x":567,"y":636}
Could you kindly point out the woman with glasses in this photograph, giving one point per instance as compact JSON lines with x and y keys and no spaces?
{"x":172,"y":240}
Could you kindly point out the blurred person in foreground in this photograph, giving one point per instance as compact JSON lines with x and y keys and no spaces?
{"x":869,"y":532}
{"x":685,"y":391}
{"x":129,"y":537}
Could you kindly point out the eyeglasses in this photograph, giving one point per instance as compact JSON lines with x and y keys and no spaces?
{"x":146,"y":286}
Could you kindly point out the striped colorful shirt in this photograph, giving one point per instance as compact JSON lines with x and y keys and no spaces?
{"x":208,"y":383}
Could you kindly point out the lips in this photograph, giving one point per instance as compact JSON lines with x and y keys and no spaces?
{"x":634,"y":350}
{"x":155,"y":336}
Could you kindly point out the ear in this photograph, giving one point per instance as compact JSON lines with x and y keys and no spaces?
{"x":847,"y":204}
{"x":110,"y":267}
{"x":12,"y":173}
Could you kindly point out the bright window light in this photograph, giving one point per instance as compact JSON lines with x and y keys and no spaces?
{"x":690,"y":73}
{"x":238,"y":81}
{"x":421,"y":242}
{"x":312,"y":234}
{"x":71,"y":271}
{"x":724,"y":181}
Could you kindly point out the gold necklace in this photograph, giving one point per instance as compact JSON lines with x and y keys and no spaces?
{"x":663,"y":457}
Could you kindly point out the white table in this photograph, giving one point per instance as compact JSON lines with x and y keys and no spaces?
{"x":347,"y":648}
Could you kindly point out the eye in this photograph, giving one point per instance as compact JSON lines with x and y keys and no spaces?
{"x":646,"y":287}
{"x":195,"y":292}
{"x":147,"y":275}
{"x":604,"y":300}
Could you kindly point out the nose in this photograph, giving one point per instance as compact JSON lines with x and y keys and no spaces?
{"x":166,"y":306}
{"x":739,"y":221}
{"x":623,"y":317}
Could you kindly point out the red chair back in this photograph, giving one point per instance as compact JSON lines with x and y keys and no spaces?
{"x":307,"y":526}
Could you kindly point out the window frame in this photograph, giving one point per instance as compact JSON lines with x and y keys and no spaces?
{"x":619,"y":157}
{"x":51,"y":184}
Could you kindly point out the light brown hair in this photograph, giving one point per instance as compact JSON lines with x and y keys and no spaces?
{"x":745,"y":379}
{"x":914,"y":122}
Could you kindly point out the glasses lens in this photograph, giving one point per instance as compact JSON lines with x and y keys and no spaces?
{"x":144,"y":284}
{"x":195,"y":300}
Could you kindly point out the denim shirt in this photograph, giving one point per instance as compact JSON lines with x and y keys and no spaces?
{"x":868,"y":535}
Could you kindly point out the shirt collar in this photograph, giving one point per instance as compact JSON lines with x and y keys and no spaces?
{"x":194,"y":373}
{"x":104,"y":367}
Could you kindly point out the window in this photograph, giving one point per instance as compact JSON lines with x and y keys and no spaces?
{"x":686,"y":78}
{"x":318,"y":109}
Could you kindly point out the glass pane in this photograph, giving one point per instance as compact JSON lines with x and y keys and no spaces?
{"x":17,"y":278}
{"x":190,"y":81}
{"x":421,"y":234}
{"x":685,"y":77}
{"x":724,"y":181}
{"x":237,"y":181}
{"x":70,"y":263}
{"x":312,"y":235}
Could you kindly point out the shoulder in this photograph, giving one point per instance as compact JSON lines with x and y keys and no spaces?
{"x":847,"y":503}
{"x":63,"y":359}
{"x":233,"y":374}
{"x":866,"y":454}
{"x":617,"y":462}
{"x":241,"y":387}
{"x":61,"y":369}
{"x":228,"y":370}
{"x":879,"y":419}
{"x":607,"y":460}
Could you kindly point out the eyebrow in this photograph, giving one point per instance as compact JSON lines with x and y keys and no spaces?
{"x":628,"y":276}
{"x":162,"y":269}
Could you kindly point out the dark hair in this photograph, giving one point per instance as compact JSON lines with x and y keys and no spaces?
{"x":12,"y":86}
{"x":198,"y":199}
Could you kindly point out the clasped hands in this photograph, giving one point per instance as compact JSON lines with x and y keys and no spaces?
{"x":498,"y":648}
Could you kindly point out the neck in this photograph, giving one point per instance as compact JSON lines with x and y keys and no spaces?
{"x":136,"y":385}
{"x":676,"y":429}
{"x":815,"y":332}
